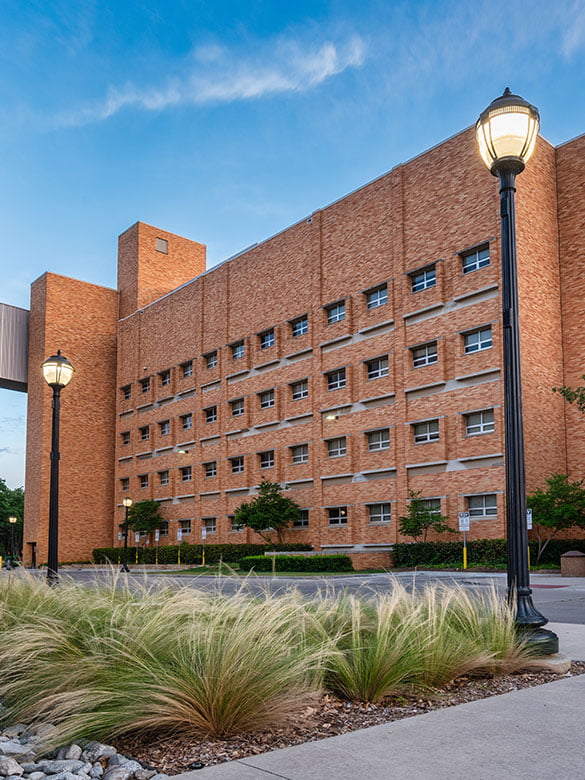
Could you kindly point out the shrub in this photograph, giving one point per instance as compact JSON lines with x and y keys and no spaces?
{"x":297,"y":563}
{"x":192,"y":553}
{"x":480,"y":552}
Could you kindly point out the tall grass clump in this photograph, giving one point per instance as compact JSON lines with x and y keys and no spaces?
{"x":175,"y":660}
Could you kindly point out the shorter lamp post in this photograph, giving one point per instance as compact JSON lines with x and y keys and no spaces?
{"x":127,"y":502}
{"x":506,"y":135}
{"x":57,"y":372}
{"x":12,"y":520}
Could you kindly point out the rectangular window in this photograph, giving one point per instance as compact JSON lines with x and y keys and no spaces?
{"x":379,"y":513}
{"x":125,"y":438}
{"x":266,"y":339}
{"x":300,"y":326}
{"x":126,"y":392}
{"x":432,"y":505}
{"x":335,"y":312}
{"x":424,"y":355}
{"x":210,"y":414}
{"x":377,"y":296}
{"x":477,"y":340}
{"x":186,"y":421}
{"x":187,"y":369}
{"x":379,"y":440}
{"x":143,"y":478}
{"x":144,"y":433}
{"x":186,"y":473}
{"x":237,"y":350}
{"x":476,"y":259}
{"x":210,"y":359}
{"x":165,"y":378}
{"x":125,"y":483}
{"x":336,"y":448}
{"x":266,"y":459}
{"x":425,"y":432}
{"x":337,"y":515}
{"x":303,"y":520}
{"x":185,"y":526}
{"x":163,"y":477}
{"x":235,"y":526}
{"x":266,"y":399}
{"x":210,"y":524}
{"x":165,"y":427}
{"x":210,"y":469}
{"x":300,"y":389}
{"x":163,"y":528}
{"x":423,"y":279}
{"x":145,"y":385}
{"x":237,"y":407}
{"x":161,"y":245}
{"x":237,"y":464}
{"x":482,"y":506}
{"x":479,"y":422}
{"x":377,"y":367}
{"x":300,"y":453}
{"x":335,"y":379}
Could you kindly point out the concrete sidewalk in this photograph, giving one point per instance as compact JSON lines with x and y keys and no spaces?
{"x":532,"y":733}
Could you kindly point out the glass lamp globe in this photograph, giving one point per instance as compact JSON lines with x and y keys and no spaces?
{"x":506,"y":132}
{"x":57,"y":370}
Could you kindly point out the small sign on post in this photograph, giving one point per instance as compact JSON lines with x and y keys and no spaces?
{"x":464,"y":527}
{"x":156,"y":535}
{"x":203,"y":538}
{"x":529,"y":519}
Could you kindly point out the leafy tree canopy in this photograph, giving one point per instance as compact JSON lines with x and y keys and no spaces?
{"x":268,"y":511}
{"x":11,"y":505}
{"x":557,"y":508}
{"x":144,"y":516}
{"x":420,"y":519}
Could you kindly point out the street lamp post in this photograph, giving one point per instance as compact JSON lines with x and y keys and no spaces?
{"x":127,"y":502}
{"x":12,"y":520}
{"x":57,"y":372}
{"x":506,"y":134}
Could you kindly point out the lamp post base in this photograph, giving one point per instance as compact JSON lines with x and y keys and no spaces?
{"x":125,"y":569}
{"x":539,"y":640}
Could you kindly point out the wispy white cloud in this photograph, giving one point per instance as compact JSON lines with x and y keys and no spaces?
{"x":574,"y":36}
{"x":216,"y":75}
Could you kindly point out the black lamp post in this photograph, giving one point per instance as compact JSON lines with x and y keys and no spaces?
{"x":506,"y":134}
{"x":12,"y":520}
{"x":127,"y":502}
{"x":57,"y":372}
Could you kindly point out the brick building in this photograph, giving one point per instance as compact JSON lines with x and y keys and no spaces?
{"x":353,"y":357}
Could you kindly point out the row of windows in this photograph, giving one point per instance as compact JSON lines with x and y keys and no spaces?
{"x":424,"y":432}
{"x":474,"y":340}
{"x":426,"y":277}
{"x":478,"y":506}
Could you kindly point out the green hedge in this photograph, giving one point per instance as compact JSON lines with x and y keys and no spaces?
{"x":297,"y":563}
{"x":480,"y":552}
{"x":191,"y":553}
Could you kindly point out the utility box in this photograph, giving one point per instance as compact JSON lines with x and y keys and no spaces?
{"x":573,"y":564}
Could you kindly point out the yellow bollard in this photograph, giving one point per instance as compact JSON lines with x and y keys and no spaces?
{"x":465,"y":556}
{"x":1,"y":562}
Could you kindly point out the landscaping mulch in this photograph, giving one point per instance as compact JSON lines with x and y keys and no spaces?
{"x":330,"y":717}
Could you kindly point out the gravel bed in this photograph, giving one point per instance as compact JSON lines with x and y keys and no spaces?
{"x":172,"y":755}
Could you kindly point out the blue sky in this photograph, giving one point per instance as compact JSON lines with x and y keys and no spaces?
{"x":227,"y":121}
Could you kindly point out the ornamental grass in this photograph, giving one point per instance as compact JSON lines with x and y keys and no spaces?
{"x":111,"y":659}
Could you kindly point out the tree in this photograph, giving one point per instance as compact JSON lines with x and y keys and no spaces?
{"x":268,"y":511}
{"x":573,"y":395}
{"x":144,"y":516}
{"x":558,"y":508}
{"x":420,"y":519}
{"x":11,"y":505}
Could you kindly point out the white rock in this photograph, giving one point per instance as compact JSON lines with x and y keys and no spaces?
{"x":9,"y":767}
{"x":96,"y":771}
{"x":144,"y":774}
{"x":13,"y":748}
{"x":15,"y":731}
{"x":56,"y":767}
{"x":73,"y":752}
{"x":36,"y":775}
{"x":93,"y":751}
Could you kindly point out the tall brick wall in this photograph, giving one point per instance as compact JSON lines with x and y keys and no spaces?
{"x":79,"y":319}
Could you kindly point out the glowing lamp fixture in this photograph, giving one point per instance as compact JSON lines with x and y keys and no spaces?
{"x":57,"y":370}
{"x":127,"y":502}
{"x":506,"y":132}
{"x":13,"y":520}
